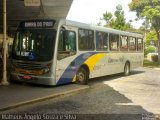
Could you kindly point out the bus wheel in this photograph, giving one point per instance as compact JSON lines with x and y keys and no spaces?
{"x":82,"y":76}
{"x":126,"y":69}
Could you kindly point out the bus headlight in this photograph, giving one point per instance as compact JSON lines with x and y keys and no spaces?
{"x":46,"y":70}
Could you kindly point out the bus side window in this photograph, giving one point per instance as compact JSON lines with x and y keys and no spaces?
{"x":140,"y":44}
{"x":113,"y":42}
{"x":67,"y":44}
{"x":132,"y":43}
{"x":101,"y":41}
{"x":86,"y":40}
{"x":123,"y":43}
{"x":70,"y":39}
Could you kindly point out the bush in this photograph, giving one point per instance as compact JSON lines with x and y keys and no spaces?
{"x":150,"y":49}
{"x":148,"y":63}
{"x":154,"y":58}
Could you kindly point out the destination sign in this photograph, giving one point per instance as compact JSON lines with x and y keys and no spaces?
{"x":38,"y":24}
{"x":32,"y":2}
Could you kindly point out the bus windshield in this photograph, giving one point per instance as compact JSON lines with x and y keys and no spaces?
{"x":34,"y":44}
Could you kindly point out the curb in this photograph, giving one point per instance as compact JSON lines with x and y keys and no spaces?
{"x":43,"y":98}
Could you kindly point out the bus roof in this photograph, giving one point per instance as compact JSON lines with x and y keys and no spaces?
{"x":30,"y":23}
{"x":100,"y":28}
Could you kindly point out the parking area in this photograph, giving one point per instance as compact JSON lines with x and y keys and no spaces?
{"x":136,"y":95}
{"x":141,"y":87}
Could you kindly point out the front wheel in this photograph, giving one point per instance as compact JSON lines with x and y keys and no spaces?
{"x":82,"y":76}
{"x":126,"y":69}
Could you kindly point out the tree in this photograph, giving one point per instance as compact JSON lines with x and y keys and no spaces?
{"x":150,"y":11}
{"x":117,"y":23}
{"x":120,"y":22}
{"x":108,"y":18}
{"x":151,"y":36}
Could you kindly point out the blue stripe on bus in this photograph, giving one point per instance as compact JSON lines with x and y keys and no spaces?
{"x":71,"y":71}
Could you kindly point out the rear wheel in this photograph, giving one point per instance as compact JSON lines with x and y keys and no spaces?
{"x":126,"y":69}
{"x":82,"y":76}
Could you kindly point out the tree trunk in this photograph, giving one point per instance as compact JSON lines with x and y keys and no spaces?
{"x":158,"y":51}
{"x":158,"y":44}
{"x":156,"y":25}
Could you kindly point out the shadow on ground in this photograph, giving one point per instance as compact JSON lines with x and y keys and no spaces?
{"x":97,"y":103}
{"x":111,"y":77}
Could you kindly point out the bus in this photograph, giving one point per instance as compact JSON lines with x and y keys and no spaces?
{"x":55,"y":52}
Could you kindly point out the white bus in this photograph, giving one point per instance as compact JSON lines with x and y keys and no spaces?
{"x":54,"y":52}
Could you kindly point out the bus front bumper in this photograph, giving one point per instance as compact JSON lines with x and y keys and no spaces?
{"x":43,"y":80}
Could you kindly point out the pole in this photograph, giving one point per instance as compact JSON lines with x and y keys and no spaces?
{"x":4,"y":79}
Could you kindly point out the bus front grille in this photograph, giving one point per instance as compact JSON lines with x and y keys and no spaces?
{"x":28,"y":66}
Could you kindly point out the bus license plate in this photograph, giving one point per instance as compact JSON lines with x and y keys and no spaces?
{"x":27,"y":77}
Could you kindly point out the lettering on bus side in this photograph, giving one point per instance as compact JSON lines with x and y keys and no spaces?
{"x":113,"y":60}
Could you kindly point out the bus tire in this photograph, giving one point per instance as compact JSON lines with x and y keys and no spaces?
{"x":127,"y":69}
{"x":82,"y":76}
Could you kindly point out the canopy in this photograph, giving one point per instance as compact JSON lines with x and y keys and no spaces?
{"x":17,"y":11}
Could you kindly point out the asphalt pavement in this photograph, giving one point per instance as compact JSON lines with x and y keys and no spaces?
{"x":115,"y":97}
{"x":18,"y":94}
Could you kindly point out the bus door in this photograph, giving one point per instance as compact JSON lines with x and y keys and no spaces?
{"x":66,"y":54}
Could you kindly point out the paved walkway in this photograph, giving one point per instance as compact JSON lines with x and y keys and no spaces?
{"x":17,"y":94}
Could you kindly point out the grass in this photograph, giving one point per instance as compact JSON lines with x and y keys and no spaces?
{"x":148,"y":63}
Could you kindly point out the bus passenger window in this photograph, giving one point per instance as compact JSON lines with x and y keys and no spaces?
{"x":139,"y":44}
{"x":124,"y":43}
{"x":101,"y":41}
{"x":132,"y":44}
{"x":86,"y":39}
{"x":67,"y":44}
{"x":113,"y":42}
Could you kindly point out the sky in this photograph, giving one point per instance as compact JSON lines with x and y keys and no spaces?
{"x":90,"y":11}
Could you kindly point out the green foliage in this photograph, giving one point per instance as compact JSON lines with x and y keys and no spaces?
{"x":139,"y":31}
{"x":145,"y":8}
{"x":150,"y":49}
{"x":120,"y":20}
{"x":154,"y":58}
{"x":148,"y":63}
{"x":150,"y":11}
{"x":107,"y":17}
{"x":117,"y":23}
{"x":150,"y":36}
